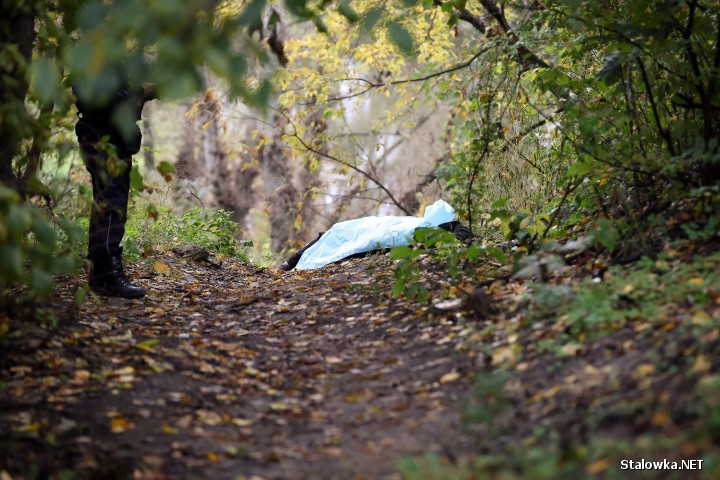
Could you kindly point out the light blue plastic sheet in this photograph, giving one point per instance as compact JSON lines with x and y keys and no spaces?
{"x":371,"y":233}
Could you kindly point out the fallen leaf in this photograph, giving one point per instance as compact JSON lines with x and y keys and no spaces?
{"x":660,"y":418}
{"x":701,"y":364}
{"x":120,"y":425}
{"x":503,"y":355}
{"x":598,"y":466}
{"x":162,"y":268}
{"x":243,"y":422}
{"x":279,"y":406}
{"x":81,"y":376}
{"x":645,"y":369}
{"x":168,"y":429}
{"x":572,"y":349}
{"x":701,"y":318}
{"x":147,"y":345}
{"x":449,"y":377}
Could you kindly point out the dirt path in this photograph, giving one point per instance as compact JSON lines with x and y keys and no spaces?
{"x":238,"y":372}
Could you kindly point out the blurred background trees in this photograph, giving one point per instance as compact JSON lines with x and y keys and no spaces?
{"x":531,"y":118}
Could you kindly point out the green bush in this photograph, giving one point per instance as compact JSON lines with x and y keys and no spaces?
{"x":150,"y":227}
{"x":33,"y":247}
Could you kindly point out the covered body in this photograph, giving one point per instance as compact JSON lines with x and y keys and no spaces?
{"x":371,"y":233}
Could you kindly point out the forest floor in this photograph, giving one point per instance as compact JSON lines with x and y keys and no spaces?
{"x":237,"y":371}
{"x":241,"y":372}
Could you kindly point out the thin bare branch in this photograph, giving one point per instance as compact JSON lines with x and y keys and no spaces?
{"x":373,"y":85}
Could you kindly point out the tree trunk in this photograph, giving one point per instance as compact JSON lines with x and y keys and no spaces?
{"x":279,"y":191}
{"x":187,"y":162}
{"x":17,"y":29}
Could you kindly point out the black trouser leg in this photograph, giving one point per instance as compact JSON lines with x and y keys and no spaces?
{"x":108,"y":215}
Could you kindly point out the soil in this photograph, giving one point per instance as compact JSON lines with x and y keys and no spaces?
{"x":236,"y":372}
{"x":240,"y":372}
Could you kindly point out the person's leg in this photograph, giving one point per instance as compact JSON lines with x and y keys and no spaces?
{"x":111,"y":186}
{"x":110,"y":182}
{"x":291,"y":262}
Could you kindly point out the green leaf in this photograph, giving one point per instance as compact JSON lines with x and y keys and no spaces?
{"x":252,"y":14}
{"x":497,"y":254}
{"x":11,"y":258}
{"x":260,"y":96}
{"x":606,"y":234}
{"x":421,"y":234}
{"x":400,"y":252}
{"x":371,"y":18}
{"x":400,"y":37}
{"x":73,"y":231}
{"x":298,"y":8}
{"x":346,"y":11}
{"x":41,"y":282}
{"x":136,"y":179}
{"x":611,"y":72}
{"x":8,"y":195}
{"x":166,"y":168}
{"x":44,"y":232}
{"x":80,"y":295}
{"x":46,"y":78}
{"x":17,"y":222}
{"x":64,"y":264}
{"x":497,"y":204}
{"x":320,"y":25}
{"x":581,"y":168}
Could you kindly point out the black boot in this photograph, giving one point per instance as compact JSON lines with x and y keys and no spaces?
{"x":108,"y":279}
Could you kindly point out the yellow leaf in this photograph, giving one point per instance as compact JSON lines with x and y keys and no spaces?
{"x":525,"y":222}
{"x":243,"y":422}
{"x":279,"y":406}
{"x":81,"y":376}
{"x":120,"y":425}
{"x":701,"y":364}
{"x":213,"y":457}
{"x":660,"y":418}
{"x":644,"y":370}
{"x":168,"y":429}
{"x":598,"y":466}
{"x":503,"y":355}
{"x":123,"y":371}
{"x":355,"y":397}
{"x":571,"y":349}
{"x":29,"y":428}
{"x":701,"y":318}
{"x":449,"y":377}
{"x":455,"y":78}
{"x":162,"y":268}
{"x":147,"y":345}
{"x":697,"y":281}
